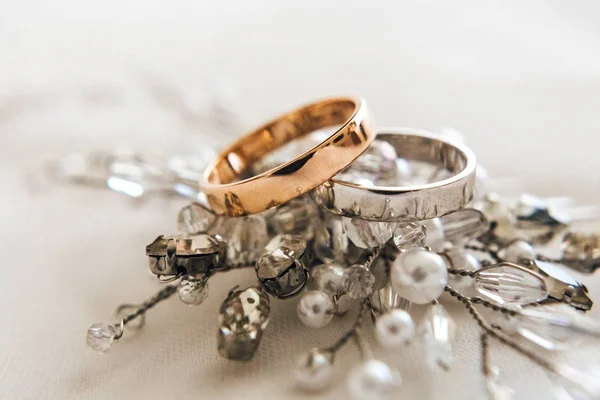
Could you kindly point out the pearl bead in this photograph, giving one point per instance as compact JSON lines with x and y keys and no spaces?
{"x":315,"y":309}
{"x":371,"y":380}
{"x":394,"y":328}
{"x":460,"y":259}
{"x":517,"y":251}
{"x":327,"y":278}
{"x":314,"y":370}
{"x":419,"y":275}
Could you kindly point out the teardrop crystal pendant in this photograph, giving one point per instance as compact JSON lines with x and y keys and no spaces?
{"x":510,"y":284}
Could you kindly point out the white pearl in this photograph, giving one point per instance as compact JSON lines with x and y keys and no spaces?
{"x":314,"y":370}
{"x":518,"y":250}
{"x":372,"y":380}
{"x":419,"y":275}
{"x":394,"y":328}
{"x":315,"y":309}
{"x":460,"y":259}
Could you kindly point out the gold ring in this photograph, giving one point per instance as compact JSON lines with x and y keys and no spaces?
{"x":227,"y":195}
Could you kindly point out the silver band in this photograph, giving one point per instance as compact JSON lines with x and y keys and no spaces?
{"x":418,"y":201}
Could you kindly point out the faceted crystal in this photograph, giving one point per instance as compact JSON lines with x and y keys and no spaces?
{"x":409,"y":234}
{"x":437,"y":331}
{"x":192,"y":290}
{"x":243,"y":317}
{"x":358,"y":281}
{"x":331,"y":241}
{"x":434,"y":233}
{"x":294,"y":244}
{"x":101,"y":337}
{"x":298,"y":217}
{"x":419,"y":276}
{"x":246,"y":238}
{"x":463,"y":225}
{"x":507,"y":283}
{"x":314,"y":369}
{"x":461,"y":260}
{"x":281,"y":274}
{"x":368,"y":234}
{"x":386,"y":299}
{"x":327,"y":278}
{"x":581,"y":251}
{"x":195,"y":218}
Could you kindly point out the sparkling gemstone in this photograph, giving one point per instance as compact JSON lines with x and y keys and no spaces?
{"x":315,"y":309}
{"x":409,"y":235}
{"x":418,"y":275}
{"x":463,"y":225}
{"x":580,"y":383}
{"x":281,"y":274}
{"x":195,"y":218}
{"x":557,"y":327}
{"x":507,"y":283}
{"x":192,"y":290}
{"x":314,"y":369}
{"x":358,"y":281}
{"x":298,"y":217}
{"x":367,"y":234}
{"x":246,"y":238}
{"x":434,"y":233}
{"x":581,"y":251}
{"x":372,"y":380}
{"x":461,"y":260}
{"x":331,"y":241}
{"x":102,"y":337}
{"x":394,"y":328}
{"x":327,"y":278}
{"x":517,"y":251}
{"x":294,"y":244}
{"x":243,"y":317}
{"x":438,"y":330}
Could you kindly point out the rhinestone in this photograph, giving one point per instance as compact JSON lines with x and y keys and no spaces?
{"x":298,"y":217}
{"x":246,"y":238}
{"x":281,"y":274}
{"x":461,"y":226}
{"x":358,"y":281}
{"x":192,"y":290}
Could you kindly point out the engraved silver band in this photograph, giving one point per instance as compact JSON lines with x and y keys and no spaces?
{"x":419,"y":201}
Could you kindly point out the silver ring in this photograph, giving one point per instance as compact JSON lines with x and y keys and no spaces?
{"x":419,"y":201}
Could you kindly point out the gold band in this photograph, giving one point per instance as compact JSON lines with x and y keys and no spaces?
{"x":233,"y":198}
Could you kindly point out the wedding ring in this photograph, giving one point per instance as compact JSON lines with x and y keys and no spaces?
{"x":228,"y":195}
{"x":421,"y":201}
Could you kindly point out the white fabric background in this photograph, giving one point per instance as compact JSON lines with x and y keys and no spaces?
{"x":520,"y":79}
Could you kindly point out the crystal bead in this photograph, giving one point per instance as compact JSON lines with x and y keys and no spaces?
{"x":438,"y":330}
{"x":358,"y":281}
{"x":102,"y":337}
{"x":517,"y":251}
{"x":192,"y":290}
{"x":579,"y":383}
{"x":281,"y":274}
{"x":294,"y":244}
{"x":461,"y":260}
{"x":331,"y":241}
{"x":314,"y":369}
{"x":418,"y":275}
{"x":434,"y":233}
{"x":581,"y":251}
{"x":368,"y":234}
{"x":558,"y":327}
{"x":315,"y":309}
{"x":298,"y":217}
{"x":409,"y":235}
{"x":372,"y":380}
{"x":386,"y":299}
{"x":243,"y":317}
{"x":463,"y":225}
{"x":394,"y":328}
{"x":327,"y":278}
{"x":195,"y":218}
{"x":246,"y":238}
{"x":507,"y":283}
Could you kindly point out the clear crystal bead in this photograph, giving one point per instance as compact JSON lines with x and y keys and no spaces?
{"x":327,"y":278}
{"x":358,"y":281}
{"x":314,"y":369}
{"x":243,"y":317}
{"x":101,"y":337}
{"x":281,"y":274}
{"x":298,"y":217}
{"x":438,"y":331}
{"x":409,"y":235}
{"x":463,"y":225}
{"x":294,"y":244}
{"x":387,"y":299}
{"x":582,"y":250}
{"x":461,"y":260}
{"x":246,"y":238}
{"x":507,"y":283}
{"x":434,"y":233}
{"x":195,"y":218}
{"x":192,"y":290}
{"x":580,"y":384}
{"x":331,"y":241}
{"x":368,"y":234}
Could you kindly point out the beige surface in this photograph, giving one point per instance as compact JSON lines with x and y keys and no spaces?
{"x":521,"y":80}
